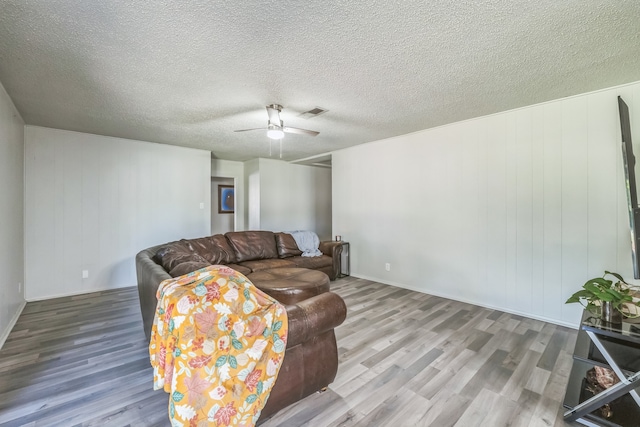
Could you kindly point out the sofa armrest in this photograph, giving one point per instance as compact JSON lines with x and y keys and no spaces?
{"x":314,"y":316}
{"x":331,"y":248}
{"x":149,"y":275}
{"x":334,"y":250}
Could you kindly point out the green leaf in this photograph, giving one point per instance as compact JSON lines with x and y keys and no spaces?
{"x":616,"y":275}
{"x":246,"y":294}
{"x":578,"y":295}
{"x":172,"y":410}
{"x":615,"y":294}
{"x":591,"y":287}
{"x":221,"y":361}
{"x":606,"y":297}
{"x":251,"y":398}
{"x":233,"y":362}
{"x":266,"y":333}
{"x":177,"y":396}
{"x":259,"y":387}
{"x":583,"y":294}
{"x":598,"y":286}
{"x":604,"y":283}
{"x":176,"y":353}
{"x":277,"y":326}
{"x":171,"y":325}
{"x":236,"y":344}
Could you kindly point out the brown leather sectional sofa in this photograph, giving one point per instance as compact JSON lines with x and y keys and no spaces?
{"x":311,"y":357}
{"x":246,"y":252}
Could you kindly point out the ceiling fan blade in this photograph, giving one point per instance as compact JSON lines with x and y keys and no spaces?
{"x":246,"y":130}
{"x":274,"y":114}
{"x":288,"y":129}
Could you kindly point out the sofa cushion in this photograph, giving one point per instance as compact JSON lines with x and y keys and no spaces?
{"x":287,"y":245}
{"x":240,"y":269}
{"x":187,"y":267}
{"x":313,"y":263}
{"x":172,"y":254}
{"x":215,"y":249}
{"x":265,"y":264}
{"x":291,"y":285}
{"x":250,"y":245}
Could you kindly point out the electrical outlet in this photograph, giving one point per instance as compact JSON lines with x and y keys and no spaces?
{"x":85,"y":274}
{"x":387,"y":267}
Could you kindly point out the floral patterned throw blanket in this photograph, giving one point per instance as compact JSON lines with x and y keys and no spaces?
{"x":216,"y":347}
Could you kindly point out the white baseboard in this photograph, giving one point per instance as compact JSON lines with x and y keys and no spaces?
{"x":457,"y":298}
{"x":11,"y":324}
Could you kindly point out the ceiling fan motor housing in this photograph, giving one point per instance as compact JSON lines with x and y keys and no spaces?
{"x":275,"y":126}
{"x":274,"y":115}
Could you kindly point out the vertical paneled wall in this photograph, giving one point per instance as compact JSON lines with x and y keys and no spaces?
{"x":11,"y":214}
{"x":93,"y":202}
{"x":514,"y":210}
{"x":295,"y":197}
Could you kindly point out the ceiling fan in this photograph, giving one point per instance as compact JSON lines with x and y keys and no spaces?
{"x":275,"y":129}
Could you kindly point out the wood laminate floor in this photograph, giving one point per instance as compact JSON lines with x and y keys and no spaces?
{"x":406,"y":359}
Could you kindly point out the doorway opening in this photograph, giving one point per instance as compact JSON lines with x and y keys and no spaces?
{"x":222,"y":205}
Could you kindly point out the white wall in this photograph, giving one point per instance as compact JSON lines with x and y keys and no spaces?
{"x":513,"y":211}
{"x":11,"y":214}
{"x":235,"y":170}
{"x":220,"y":222}
{"x":92,"y":202}
{"x":295,"y":197}
{"x":252,"y":197}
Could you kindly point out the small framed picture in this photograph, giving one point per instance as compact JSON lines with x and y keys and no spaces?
{"x":226,"y":203}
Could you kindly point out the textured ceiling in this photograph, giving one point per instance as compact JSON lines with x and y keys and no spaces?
{"x":189,"y":73}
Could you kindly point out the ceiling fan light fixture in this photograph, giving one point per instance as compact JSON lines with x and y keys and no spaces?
{"x":276,"y":129}
{"x":275,"y":133}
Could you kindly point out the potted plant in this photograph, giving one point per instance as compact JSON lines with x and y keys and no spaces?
{"x":610,"y":298}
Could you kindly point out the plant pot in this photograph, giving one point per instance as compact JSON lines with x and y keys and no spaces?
{"x":609,"y":314}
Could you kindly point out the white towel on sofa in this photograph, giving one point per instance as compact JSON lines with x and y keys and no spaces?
{"x":307,"y":241}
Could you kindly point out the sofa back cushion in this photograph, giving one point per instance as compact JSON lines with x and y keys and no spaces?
{"x":172,"y":254}
{"x":286,"y":245}
{"x":251,"y":245}
{"x":215,"y":249}
{"x":187,"y":267}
